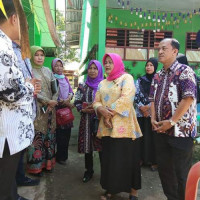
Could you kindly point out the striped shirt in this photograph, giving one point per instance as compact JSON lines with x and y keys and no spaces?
{"x":26,"y":68}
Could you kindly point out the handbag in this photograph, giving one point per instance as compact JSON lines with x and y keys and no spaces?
{"x":94,"y":126}
{"x":64,"y":116}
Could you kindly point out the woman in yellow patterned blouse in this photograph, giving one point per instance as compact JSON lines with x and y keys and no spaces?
{"x":119,"y":130}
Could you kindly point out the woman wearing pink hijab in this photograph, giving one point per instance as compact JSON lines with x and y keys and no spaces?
{"x":119,"y":130}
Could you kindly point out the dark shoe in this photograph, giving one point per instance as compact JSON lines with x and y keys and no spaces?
{"x":61,"y":162}
{"x":28,"y":182}
{"x":154,"y":168}
{"x":87,"y":176}
{"x":131,"y":197}
{"x":48,"y":171}
{"x":21,"y":198}
{"x":38,"y":174}
{"x":106,"y":196}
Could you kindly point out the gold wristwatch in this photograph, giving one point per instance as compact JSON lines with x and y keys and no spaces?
{"x":172,"y":122}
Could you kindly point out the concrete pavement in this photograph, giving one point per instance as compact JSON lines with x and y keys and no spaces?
{"x":65,"y":183}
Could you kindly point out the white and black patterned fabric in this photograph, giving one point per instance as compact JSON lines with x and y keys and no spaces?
{"x":16,"y":97}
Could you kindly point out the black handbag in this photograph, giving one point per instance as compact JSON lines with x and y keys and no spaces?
{"x":94,"y":126}
{"x":54,"y":86}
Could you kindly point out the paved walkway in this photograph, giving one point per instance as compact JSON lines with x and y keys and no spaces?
{"x":65,"y":183}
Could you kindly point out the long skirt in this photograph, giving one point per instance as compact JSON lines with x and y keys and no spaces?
{"x":41,"y":154}
{"x":87,"y":142}
{"x":148,"y":152}
{"x":120,"y":165}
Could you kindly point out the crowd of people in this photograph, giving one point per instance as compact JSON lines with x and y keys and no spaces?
{"x":152,"y":122}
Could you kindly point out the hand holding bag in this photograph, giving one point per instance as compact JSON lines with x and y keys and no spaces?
{"x":64,"y":116}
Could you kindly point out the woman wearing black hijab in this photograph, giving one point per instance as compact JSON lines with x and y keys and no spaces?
{"x":142,"y":105}
{"x":181,"y":58}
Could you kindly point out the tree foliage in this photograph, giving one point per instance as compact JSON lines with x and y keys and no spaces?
{"x":64,"y":52}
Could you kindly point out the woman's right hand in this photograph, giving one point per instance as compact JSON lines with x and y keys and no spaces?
{"x":144,"y":108}
{"x":104,"y":112}
{"x":88,"y":110}
{"x":52,"y":103}
{"x":107,"y":122}
{"x":154,"y":124}
{"x":36,"y":84}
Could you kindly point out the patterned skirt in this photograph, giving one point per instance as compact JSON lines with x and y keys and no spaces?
{"x":41,"y":154}
{"x":87,"y":142}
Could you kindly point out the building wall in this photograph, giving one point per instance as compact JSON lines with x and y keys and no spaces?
{"x":124,"y":20}
{"x":38,"y":29}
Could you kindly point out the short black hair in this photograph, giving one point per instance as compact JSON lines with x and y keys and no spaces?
{"x":9,"y":8}
{"x":175,"y":43}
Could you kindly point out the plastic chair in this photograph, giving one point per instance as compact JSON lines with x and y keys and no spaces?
{"x":192,"y":182}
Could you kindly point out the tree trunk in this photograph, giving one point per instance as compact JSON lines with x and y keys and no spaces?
{"x":50,"y":22}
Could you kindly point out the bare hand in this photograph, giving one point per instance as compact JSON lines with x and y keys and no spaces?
{"x":70,"y":105}
{"x":36,"y":84}
{"x":108,"y":122}
{"x":90,"y":106}
{"x":144,"y":108}
{"x":62,"y":101}
{"x":49,"y":109}
{"x":104,"y":112}
{"x":154,"y":124}
{"x":52,"y":103}
{"x":67,"y":103}
{"x":146,"y":114}
{"x":88,"y":110}
{"x":163,"y":126}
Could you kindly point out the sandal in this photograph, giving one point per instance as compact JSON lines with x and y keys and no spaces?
{"x":106,"y":196}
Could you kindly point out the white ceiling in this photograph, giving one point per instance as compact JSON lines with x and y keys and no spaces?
{"x":162,"y":5}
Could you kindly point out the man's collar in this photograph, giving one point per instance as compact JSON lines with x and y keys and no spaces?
{"x":2,"y":34}
{"x":15,"y":45}
{"x":172,"y":68}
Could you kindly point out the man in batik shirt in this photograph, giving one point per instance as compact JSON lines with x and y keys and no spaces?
{"x":173,"y":107}
{"x":16,"y":97}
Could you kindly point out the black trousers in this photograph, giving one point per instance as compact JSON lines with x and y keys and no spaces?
{"x":20,"y":175}
{"x":62,"y":140}
{"x":148,"y":152}
{"x":89,"y":161}
{"x":174,"y":157}
{"x":8,"y":168}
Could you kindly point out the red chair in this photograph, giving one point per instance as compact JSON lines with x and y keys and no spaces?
{"x":192,"y":182}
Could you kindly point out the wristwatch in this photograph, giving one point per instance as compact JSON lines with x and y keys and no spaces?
{"x":172,"y":122}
